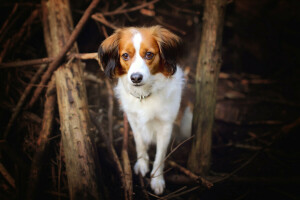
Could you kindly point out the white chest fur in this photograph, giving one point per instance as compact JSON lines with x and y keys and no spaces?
{"x":161,"y":102}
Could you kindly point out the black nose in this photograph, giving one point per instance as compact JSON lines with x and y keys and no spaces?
{"x":136,"y":77}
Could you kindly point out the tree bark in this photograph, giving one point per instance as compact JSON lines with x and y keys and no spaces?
{"x":208,"y":68}
{"x":80,"y":155}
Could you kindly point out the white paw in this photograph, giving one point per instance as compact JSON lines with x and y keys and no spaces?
{"x":141,"y":166}
{"x":158,"y":184}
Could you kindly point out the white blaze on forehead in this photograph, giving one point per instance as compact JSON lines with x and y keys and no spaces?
{"x":137,"y":39}
{"x":138,"y":65}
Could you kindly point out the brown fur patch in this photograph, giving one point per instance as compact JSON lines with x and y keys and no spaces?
{"x":155,"y":39}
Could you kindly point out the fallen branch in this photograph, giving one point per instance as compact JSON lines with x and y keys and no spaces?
{"x":22,"y":100}
{"x":190,"y":174}
{"x":57,"y":61}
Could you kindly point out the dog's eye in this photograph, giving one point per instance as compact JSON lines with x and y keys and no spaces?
{"x":149,"y":55}
{"x":125,"y":56}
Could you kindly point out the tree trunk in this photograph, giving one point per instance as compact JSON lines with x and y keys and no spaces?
{"x":80,"y":155}
{"x":208,"y":68}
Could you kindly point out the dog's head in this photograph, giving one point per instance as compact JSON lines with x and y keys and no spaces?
{"x":139,"y":53}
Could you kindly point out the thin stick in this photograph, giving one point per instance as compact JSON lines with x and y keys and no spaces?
{"x":104,"y":31}
{"x":117,"y":12}
{"x":181,"y":193}
{"x":22,"y":100}
{"x":190,"y":174}
{"x":56,"y":62}
{"x":172,"y":194}
{"x":7,"y":176}
{"x":159,"y":20}
{"x":184,"y":9}
{"x":7,"y":21}
{"x":16,"y":37}
{"x":171,"y":154}
{"x":143,"y":186}
{"x":43,"y":140}
{"x":100,"y":18}
{"x":26,"y":63}
{"x":238,"y":169}
{"x":59,"y":167}
{"x":110,"y":148}
{"x":128,"y":190}
{"x":39,"y":61}
{"x":110,"y":109}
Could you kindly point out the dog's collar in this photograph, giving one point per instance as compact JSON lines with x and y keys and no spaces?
{"x":141,"y":97}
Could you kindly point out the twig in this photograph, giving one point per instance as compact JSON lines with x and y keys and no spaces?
{"x":181,"y":193}
{"x":15,"y":38}
{"x":173,"y":194}
{"x":81,"y":56}
{"x":287,"y":128}
{"x":13,"y":155}
{"x":190,"y":174}
{"x":25,"y":63}
{"x":143,"y":187}
{"x":172,"y":153}
{"x":183,"y":9}
{"x":59,"y":167}
{"x":110,"y":148}
{"x":238,"y":169}
{"x":22,"y":100}
{"x":160,"y":21}
{"x":85,"y":56}
{"x":126,"y":162}
{"x":104,"y":31}
{"x":7,"y":21}
{"x":92,"y":77}
{"x":110,"y":110}
{"x":100,"y":18}
{"x":42,"y":142}
{"x":117,"y":12}
{"x":7,"y":176}
{"x":66,"y":48}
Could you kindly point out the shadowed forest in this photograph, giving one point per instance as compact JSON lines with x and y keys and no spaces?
{"x":254,"y":153}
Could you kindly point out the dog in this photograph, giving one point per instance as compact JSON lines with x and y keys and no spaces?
{"x":149,"y":88}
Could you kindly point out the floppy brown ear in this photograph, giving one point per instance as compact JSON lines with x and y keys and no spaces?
{"x":169,"y":46}
{"x":108,"y":53}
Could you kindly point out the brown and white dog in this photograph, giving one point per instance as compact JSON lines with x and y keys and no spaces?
{"x":149,"y":88}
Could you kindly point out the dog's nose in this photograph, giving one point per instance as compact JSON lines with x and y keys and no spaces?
{"x":136,"y":77}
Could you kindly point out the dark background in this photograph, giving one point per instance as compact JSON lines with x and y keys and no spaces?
{"x":258,"y":93}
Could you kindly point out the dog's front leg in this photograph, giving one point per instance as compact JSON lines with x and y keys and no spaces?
{"x":142,"y":163}
{"x":162,"y":141}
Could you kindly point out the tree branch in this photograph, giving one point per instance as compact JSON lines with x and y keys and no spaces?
{"x":57,"y":61}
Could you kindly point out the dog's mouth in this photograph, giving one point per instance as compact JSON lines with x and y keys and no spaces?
{"x":137,"y":84}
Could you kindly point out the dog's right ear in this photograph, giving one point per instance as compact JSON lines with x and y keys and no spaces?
{"x":108,"y":53}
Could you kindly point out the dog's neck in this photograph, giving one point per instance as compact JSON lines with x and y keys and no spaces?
{"x":140,"y":97}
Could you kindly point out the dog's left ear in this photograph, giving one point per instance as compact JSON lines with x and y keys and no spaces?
{"x":169,"y":46}
{"x":108,"y":53}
